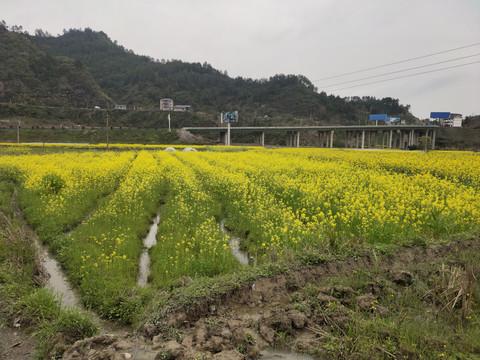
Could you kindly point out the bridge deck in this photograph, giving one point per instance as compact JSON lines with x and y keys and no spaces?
{"x":311,"y":128}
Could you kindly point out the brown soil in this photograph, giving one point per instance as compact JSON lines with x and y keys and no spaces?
{"x":187,"y":137}
{"x":15,"y":344}
{"x":256,"y":316}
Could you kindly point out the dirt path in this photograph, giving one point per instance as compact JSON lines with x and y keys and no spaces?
{"x":279,"y":311}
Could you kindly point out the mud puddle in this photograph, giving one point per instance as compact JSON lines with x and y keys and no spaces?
{"x":144,"y":263}
{"x":234,"y":244}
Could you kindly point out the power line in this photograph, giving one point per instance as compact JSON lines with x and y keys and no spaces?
{"x":399,"y":71}
{"x":397,"y":62}
{"x":405,"y":76}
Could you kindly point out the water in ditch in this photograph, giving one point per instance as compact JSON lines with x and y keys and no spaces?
{"x":57,"y":281}
{"x":234,"y":244}
{"x":144,"y":263}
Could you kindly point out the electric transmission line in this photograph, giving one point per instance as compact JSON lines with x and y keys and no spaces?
{"x":405,"y":76}
{"x":399,"y":71}
{"x":396,"y":62}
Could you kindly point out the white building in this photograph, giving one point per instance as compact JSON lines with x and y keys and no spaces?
{"x":182,"y":108}
{"x":455,"y":120}
{"x":166,"y":104}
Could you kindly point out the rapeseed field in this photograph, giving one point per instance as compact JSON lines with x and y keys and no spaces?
{"x":93,"y":209}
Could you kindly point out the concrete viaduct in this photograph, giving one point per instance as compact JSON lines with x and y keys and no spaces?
{"x":360,"y":137}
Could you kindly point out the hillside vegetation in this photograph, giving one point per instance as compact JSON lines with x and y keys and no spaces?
{"x":28,"y":75}
{"x":85,"y":68}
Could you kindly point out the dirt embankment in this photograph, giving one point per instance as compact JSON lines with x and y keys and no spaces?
{"x":304,"y":310}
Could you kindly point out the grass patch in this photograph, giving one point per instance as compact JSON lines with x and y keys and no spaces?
{"x":370,"y":314}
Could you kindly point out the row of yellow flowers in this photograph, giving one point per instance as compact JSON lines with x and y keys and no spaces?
{"x":58,"y":190}
{"x":23,"y":147}
{"x":189,"y":239}
{"x":102,"y":254}
{"x":457,"y":166}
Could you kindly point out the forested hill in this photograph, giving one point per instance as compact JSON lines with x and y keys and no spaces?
{"x":28,"y":75}
{"x":134,"y":80}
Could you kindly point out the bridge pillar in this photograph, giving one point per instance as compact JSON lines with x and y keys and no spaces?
{"x":433,"y":138}
{"x":415,"y":137}
{"x":259,"y":138}
{"x":363,"y":140}
{"x":332,"y":132}
{"x":293,"y":138}
{"x":390,"y":136}
{"x":320,"y":138}
{"x":224,"y":138}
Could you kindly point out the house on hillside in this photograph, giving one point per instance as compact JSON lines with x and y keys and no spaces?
{"x":120,"y":107}
{"x":183,"y":108}
{"x":455,"y":120}
{"x":166,"y":104}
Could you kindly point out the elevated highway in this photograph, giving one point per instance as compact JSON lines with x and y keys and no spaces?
{"x":392,"y":136}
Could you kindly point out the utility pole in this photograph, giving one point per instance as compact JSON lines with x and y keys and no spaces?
{"x":107,"y":130}
{"x":18,"y":132}
{"x":228,"y":133}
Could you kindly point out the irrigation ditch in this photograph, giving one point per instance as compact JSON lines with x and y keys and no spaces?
{"x":235,"y":245}
{"x":144,"y":262}
{"x":54,"y":278}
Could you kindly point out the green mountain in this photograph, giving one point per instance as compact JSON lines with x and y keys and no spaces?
{"x":73,"y":67}
{"x":28,"y":75}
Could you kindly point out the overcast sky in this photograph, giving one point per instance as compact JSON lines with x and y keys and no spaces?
{"x":314,"y":38}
